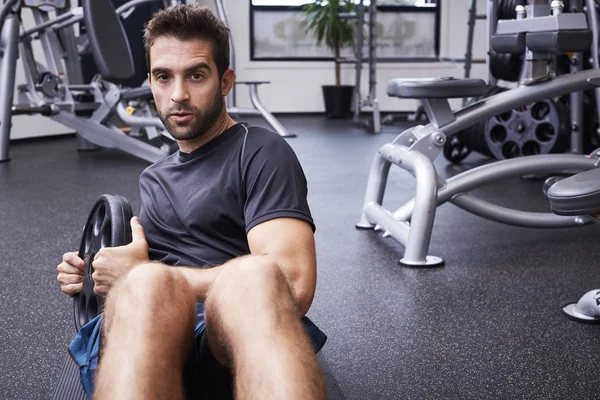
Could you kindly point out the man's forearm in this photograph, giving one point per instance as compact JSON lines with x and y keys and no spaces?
{"x":201,"y":279}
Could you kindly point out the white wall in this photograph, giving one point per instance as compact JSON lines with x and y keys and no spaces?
{"x":296,"y":86}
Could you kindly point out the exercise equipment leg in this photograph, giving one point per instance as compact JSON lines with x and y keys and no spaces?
{"x":8,"y":65}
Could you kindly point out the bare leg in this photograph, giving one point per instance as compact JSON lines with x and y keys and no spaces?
{"x":148,"y":333}
{"x":253,"y":325}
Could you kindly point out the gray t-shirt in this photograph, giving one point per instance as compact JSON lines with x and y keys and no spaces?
{"x":197,"y":208}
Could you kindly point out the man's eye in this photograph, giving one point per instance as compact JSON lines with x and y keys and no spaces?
{"x":162,"y":77}
{"x":196,"y":76}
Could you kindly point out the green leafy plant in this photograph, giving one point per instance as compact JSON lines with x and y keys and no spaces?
{"x":325,"y":19}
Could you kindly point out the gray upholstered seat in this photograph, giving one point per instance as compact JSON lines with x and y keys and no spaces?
{"x":576,"y":195}
{"x":436,"y":88}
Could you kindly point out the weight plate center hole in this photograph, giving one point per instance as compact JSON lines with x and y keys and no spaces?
{"x":90,"y":269}
{"x":92,"y":308}
{"x":98,"y":221}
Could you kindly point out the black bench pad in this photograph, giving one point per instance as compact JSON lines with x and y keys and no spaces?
{"x":143,"y":92}
{"x":513,"y":43}
{"x":559,"y":41}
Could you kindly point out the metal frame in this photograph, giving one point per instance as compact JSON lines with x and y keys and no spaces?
{"x":8,"y":66}
{"x":371,"y":99}
{"x":416,"y":148}
{"x":594,"y":25}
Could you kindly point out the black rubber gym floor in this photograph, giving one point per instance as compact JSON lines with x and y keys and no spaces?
{"x":487,"y":325}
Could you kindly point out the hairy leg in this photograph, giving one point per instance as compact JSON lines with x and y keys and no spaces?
{"x":253,"y":326}
{"x":148,"y":331}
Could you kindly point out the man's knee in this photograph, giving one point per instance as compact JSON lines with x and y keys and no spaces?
{"x":249,"y":286}
{"x":150,"y":280}
{"x":150,"y":288}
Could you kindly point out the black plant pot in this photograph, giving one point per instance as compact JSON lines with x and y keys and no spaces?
{"x":338,"y":100}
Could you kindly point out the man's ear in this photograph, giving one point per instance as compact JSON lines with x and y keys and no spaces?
{"x":227,"y":81}
{"x":149,"y":79}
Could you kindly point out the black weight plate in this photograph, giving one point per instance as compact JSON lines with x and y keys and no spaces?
{"x":455,"y":149}
{"x":538,"y":128}
{"x":459,"y":146}
{"x":108,"y":225}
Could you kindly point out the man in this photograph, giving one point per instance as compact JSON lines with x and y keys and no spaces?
{"x":233,"y":201}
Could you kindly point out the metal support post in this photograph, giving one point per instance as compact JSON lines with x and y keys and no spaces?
{"x":8,"y":66}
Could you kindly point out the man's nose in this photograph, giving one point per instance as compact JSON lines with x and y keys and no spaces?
{"x":180,"y":93}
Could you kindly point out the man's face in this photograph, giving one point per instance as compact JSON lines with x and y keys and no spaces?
{"x":186,"y":86}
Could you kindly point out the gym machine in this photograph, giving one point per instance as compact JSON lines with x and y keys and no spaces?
{"x":555,"y":125}
{"x":54,"y":88}
{"x":579,"y":195}
{"x":541,"y":31}
{"x":468,"y":61}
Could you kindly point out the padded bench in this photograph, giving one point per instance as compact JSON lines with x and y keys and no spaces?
{"x":249,"y":83}
{"x":143,"y":92}
{"x":436,"y":88}
{"x":576,"y":195}
{"x":434,"y":94}
{"x":512,"y":43}
{"x":558,"y":41}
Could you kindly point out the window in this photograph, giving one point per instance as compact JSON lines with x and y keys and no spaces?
{"x":278,"y":32}
{"x":417,"y":3}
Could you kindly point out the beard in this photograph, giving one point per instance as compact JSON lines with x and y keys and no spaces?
{"x":200,"y":124}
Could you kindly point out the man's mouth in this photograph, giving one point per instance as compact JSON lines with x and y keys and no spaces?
{"x":180,"y":116}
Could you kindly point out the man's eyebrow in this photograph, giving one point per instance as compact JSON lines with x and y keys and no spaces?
{"x":200,"y":65}
{"x":195,"y":67}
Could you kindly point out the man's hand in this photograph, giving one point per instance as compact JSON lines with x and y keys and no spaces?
{"x":70,"y":274}
{"x":112,"y":263}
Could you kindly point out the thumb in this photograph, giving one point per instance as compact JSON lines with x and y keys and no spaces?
{"x":137,"y":230}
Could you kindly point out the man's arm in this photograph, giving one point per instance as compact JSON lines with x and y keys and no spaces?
{"x":290,"y":243}
{"x":201,"y":279}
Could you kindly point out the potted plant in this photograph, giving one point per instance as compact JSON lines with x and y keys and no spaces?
{"x":326,"y":19}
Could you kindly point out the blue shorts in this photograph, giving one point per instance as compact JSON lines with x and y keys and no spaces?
{"x":204,"y":377}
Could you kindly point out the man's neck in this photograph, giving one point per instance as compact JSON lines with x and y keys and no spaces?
{"x":221,"y":125}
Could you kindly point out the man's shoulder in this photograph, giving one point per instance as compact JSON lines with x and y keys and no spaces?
{"x":260,"y":137}
{"x":158,"y":165}
{"x":262,"y":133}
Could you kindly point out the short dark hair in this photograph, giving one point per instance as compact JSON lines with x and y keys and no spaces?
{"x":190,"y":21}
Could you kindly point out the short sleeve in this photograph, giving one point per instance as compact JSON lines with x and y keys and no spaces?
{"x":274,"y":183}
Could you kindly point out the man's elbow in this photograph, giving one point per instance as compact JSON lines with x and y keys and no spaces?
{"x":304,"y":299}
